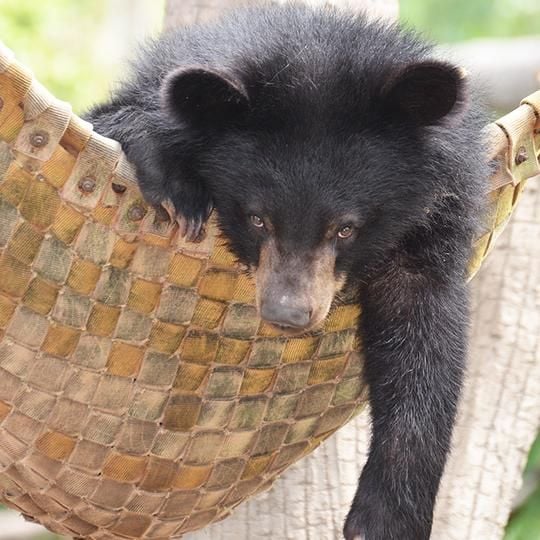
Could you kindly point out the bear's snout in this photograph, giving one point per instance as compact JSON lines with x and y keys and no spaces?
{"x":295,"y":288}
{"x":284,"y":310}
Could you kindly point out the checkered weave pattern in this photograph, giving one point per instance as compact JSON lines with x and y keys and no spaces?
{"x":140,"y":394}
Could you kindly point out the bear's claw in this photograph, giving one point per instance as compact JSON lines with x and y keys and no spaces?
{"x":191,"y":227}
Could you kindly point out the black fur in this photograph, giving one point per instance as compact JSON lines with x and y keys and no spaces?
{"x":309,"y":117}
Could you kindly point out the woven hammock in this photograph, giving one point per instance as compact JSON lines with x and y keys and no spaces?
{"x":140,"y":394}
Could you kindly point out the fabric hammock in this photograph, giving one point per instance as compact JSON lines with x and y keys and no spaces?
{"x":140,"y":395}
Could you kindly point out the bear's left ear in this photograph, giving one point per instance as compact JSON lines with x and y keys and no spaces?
{"x":202,"y":96}
{"x":425,"y":92}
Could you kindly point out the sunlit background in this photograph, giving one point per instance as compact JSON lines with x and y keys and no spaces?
{"x":76,"y":49}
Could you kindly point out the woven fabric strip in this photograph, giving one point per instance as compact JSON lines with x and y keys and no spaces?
{"x":140,"y":394}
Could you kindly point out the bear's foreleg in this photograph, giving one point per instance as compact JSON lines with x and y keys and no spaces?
{"x":158,"y":148}
{"x":414,"y":333}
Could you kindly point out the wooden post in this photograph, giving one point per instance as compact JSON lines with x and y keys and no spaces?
{"x":184,"y":12}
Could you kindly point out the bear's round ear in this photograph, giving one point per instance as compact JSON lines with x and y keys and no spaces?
{"x":202,"y":96}
{"x":425,"y":92}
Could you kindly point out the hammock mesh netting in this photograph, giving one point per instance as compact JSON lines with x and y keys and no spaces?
{"x":140,"y":394}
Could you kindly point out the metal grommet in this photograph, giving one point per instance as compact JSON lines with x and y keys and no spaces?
{"x":87,"y":184}
{"x":118,"y":188}
{"x":521,"y":155}
{"x":136,"y":212}
{"x":39,"y":138}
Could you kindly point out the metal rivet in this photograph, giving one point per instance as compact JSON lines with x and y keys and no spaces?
{"x":39,"y":138}
{"x":87,"y":184}
{"x":1,"y":103}
{"x":136,"y":212}
{"x":118,"y":188}
{"x":521,"y":155}
{"x":30,"y":166}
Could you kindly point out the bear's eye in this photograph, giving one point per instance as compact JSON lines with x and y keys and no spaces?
{"x":345,"y":232}
{"x":257,"y":221}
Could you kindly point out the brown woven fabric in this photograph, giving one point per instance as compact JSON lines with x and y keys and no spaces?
{"x":140,"y":395}
{"x":514,"y":142}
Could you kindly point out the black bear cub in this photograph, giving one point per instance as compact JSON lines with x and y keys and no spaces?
{"x":340,"y":155}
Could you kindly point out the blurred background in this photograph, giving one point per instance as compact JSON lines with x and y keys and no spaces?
{"x":77,"y":49}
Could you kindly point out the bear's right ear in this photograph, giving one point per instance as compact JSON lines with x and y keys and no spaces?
{"x":201,"y":96}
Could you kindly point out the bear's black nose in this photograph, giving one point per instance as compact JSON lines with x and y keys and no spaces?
{"x":281,"y":314}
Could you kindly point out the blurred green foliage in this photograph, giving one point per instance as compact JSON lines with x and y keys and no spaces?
{"x":57,"y":40}
{"x":70,"y":45}
{"x":525,"y":520}
{"x":459,"y":20}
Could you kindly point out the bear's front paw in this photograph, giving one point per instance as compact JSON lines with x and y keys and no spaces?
{"x":192,"y":226}
{"x":376,"y":521}
{"x":193,"y":206}
{"x":355,"y":526}
{"x":363,"y":524}
{"x":189,"y":204}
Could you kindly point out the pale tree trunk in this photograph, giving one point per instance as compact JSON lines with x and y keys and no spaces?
{"x":515,"y":74}
{"x":500,"y":409}
{"x":184,"y":12}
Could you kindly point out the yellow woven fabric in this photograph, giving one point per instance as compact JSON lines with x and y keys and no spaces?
{"x":514,"y":142}
{"x":140,"y":394}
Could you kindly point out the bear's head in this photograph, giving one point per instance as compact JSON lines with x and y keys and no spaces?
{"x":317,"y":174}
